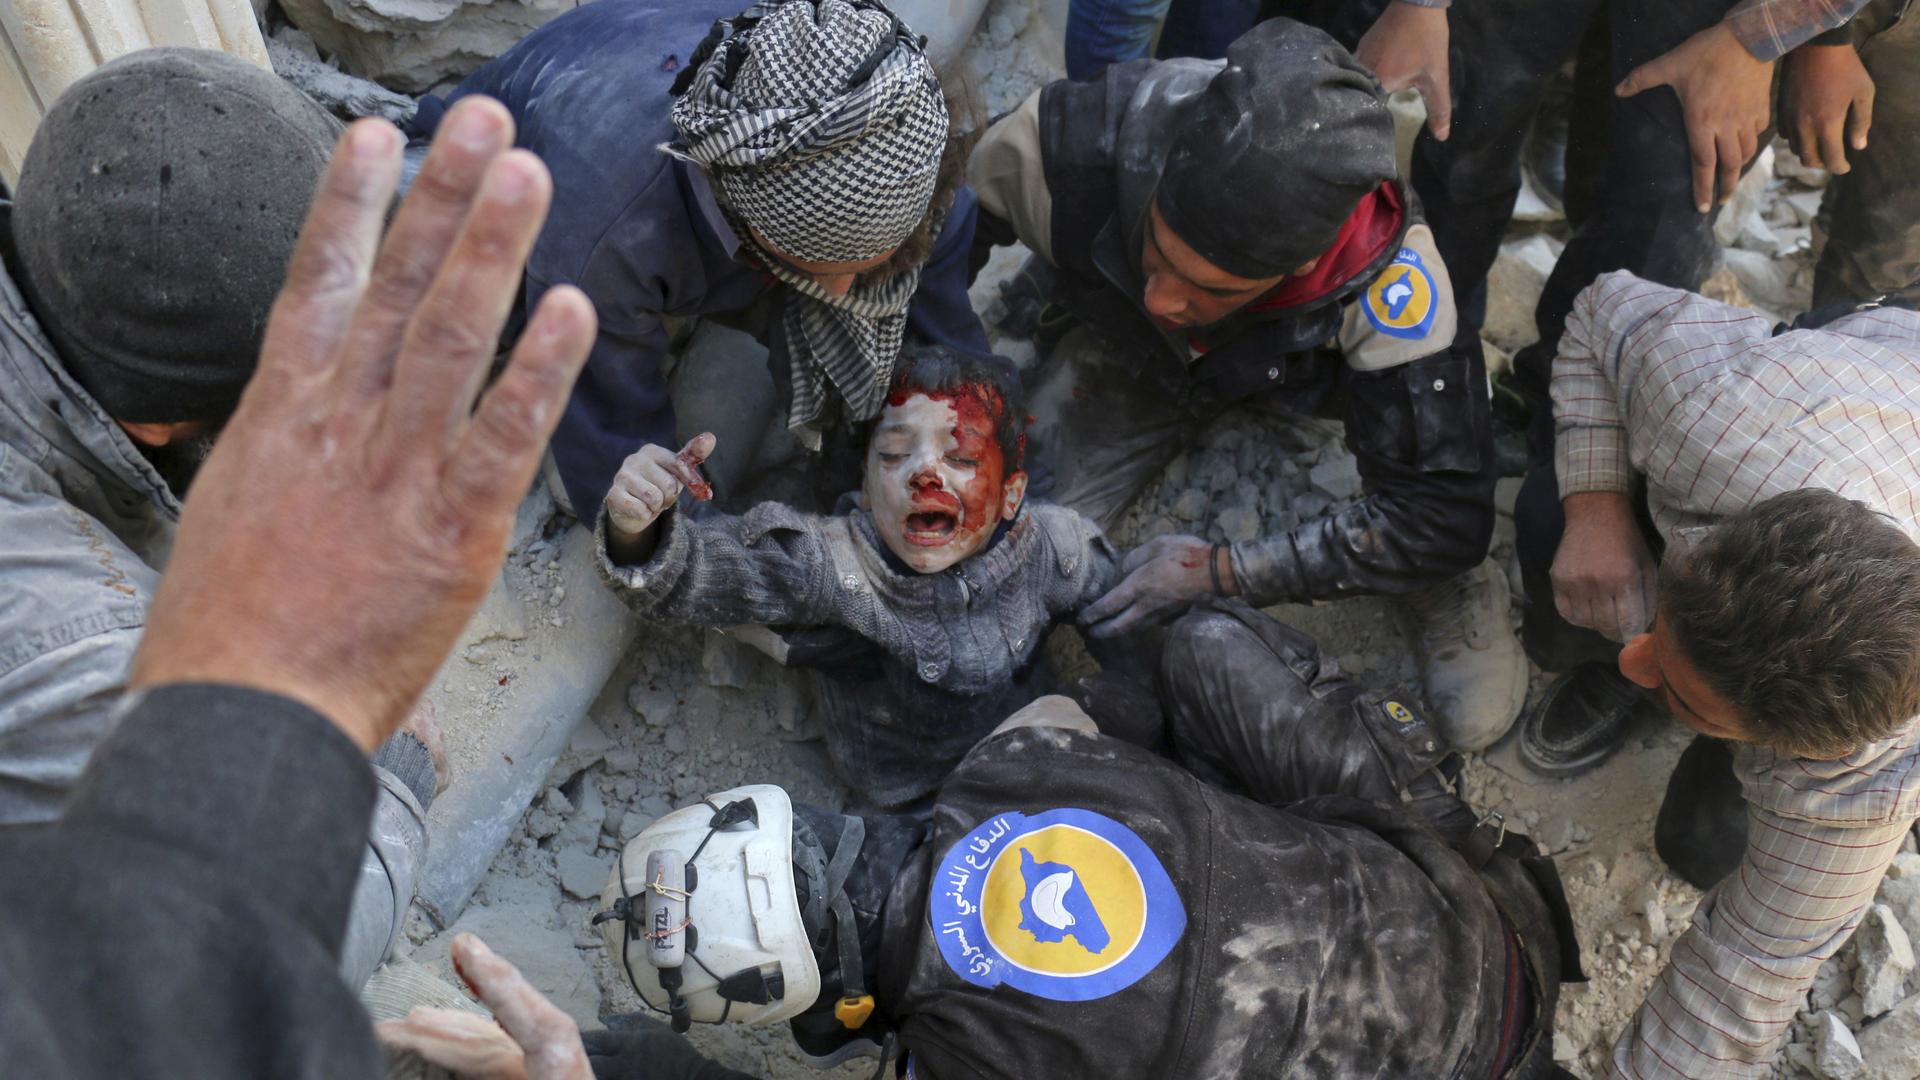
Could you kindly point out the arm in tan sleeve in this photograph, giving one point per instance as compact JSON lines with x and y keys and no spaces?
{"x":1007,"y":174}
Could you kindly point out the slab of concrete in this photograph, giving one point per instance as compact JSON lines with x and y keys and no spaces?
{"x":528,"y":666}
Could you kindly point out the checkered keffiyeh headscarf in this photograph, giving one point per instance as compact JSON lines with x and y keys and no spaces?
{"x":822,"y":124}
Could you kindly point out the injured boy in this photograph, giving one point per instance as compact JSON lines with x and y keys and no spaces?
{"x":917,"y":609}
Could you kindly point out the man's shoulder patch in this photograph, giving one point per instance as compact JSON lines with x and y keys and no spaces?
{"x":1067,"y":905}
{"x":1405,"y":313}
{"x":1400,"y":302}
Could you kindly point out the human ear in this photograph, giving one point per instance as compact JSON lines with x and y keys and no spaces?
{"x":1013,"y":491}
{"x":1637,"y":663}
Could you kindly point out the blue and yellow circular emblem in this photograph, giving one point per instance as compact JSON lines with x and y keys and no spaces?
{"x":1399,"y":303}
{"x":1068,"y":905}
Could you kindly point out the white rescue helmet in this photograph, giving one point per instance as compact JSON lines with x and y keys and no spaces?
{"x":703,"y":915}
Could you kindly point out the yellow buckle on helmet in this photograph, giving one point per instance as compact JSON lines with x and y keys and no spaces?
{"x":853,"y":1012}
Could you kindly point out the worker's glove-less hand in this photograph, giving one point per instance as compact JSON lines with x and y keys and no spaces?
{"x":359,"y":503}
{"x":528,"y":1038}
{"x":1726,"y":96}
{"x":1407,"y":46}
{"x":649,"y":481}
{"x":1826,"y":105}
{"x":1604,"y":578}
{"x":1163,"y":577}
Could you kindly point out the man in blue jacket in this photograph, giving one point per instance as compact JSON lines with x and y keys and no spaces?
{"x":786,"y":169}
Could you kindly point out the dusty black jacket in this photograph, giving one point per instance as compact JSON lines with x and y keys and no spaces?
{"x":184,"y":916}
{"x":1372,"y":342}
{"x":1206,"y":935}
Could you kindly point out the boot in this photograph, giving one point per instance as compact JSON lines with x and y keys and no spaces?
{"x":1470,"y":662}
{"x":1580,"y":721}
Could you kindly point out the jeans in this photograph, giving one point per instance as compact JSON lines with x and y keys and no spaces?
{"x":1101,"y":33}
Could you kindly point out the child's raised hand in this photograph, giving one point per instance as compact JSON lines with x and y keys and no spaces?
{"x":650,"y":480}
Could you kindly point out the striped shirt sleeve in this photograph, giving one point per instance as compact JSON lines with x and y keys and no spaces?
{"x":1589,"y":419}
{"x":1771,"y":29}
{"x":1740,"y":973}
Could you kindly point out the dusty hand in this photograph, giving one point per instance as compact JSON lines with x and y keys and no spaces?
{"x":1826,"y":104}
{"x":1726,"y":96}
{"x":1163,"y":577}
{"x":358,"y":506}
{"x":649,"y":481}
{"x":423,"y":723}
{"x":1604,"y":578}
{"x":1407,"y":46}
{"x":529,"y":1038}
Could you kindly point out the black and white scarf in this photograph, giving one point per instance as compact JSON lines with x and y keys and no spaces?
{"x":822,"y":124}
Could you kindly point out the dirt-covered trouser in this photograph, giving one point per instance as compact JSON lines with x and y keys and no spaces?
{"x":1873,"y":246}
{"x":1253,"y":705}
{"x":1629,"y":174}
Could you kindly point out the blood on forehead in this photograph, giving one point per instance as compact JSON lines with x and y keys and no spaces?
{"x":977,"y":405}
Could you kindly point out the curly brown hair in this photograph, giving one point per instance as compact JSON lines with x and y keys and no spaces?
{"x":1803,"y":611}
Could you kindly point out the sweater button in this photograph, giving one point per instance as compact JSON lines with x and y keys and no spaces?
{"x":1439,"y":384}
{"x":1019,"y":643}
{"x":851,"y":581}
{"x":929,"y":672}
{"x":1070,"y":564}
{"x":1273,"y":373}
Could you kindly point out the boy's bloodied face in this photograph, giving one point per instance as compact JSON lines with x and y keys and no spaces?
{"x":937,"y":483}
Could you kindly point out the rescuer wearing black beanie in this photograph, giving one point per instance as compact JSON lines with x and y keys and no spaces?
{"x":155,"y":213}
{"x":1271,"y":158}
{"x":1236,"y":232}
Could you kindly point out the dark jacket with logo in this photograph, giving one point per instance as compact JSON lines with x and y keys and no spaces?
{"x":1331,"y":938}
{"x":639,"y":231}
{"x":1344,"y":341}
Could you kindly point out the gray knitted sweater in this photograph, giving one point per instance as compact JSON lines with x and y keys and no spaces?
{"x":956,"y":650}
{"x":965,"y":629}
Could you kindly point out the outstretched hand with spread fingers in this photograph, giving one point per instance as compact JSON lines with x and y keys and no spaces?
{"x":358,"y":506}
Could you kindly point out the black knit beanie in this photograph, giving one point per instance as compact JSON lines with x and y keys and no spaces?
{"x":156,"y":211}
{"x":1275,"y":153}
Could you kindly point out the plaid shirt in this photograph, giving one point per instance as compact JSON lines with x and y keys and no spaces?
{"x":1771,"y":29}
{"x":1718,"y":414}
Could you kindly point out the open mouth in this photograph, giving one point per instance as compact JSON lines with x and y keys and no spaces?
{"x":931,"y":528}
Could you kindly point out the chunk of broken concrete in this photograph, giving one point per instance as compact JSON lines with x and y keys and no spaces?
{"x":1336,"y":478}
{"x":581,"y":874}
{"x":1239,"y":523}
{"x":1886,"y":959}
{"x":1836,"y":1053}
{"x":1891,"y":1044}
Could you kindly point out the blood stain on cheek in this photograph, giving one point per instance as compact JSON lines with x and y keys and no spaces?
{"x":976,"y":413}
